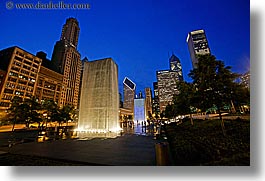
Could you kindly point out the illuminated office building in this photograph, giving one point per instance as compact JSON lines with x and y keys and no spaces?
{"x":197,"y":45}
{"x":49,"y":83}
{"x":19,"y":74}
{"x":167,"y":82}
{"x":67,"y":58}
{"x":155,"y":101}
{"x":128,"y":94}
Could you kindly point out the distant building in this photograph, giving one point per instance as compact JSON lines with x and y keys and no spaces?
{"x":245,"y":79}
{"x":139,"y":110}
{"x":175,"y":66}
{"x":128,"y":93}
{"x":198,"y":45}
{"x":155,"y":101}
{"x":49,"y":83}
{"x":67,"y":58}
{"x":140,"y":95}
{"x":19,"y":74}
{"x":120,"y":100}
{"x":167,"y":82}
{"x":148,"y":102}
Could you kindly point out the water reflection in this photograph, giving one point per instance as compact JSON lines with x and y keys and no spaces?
{"x":56,"y":133}
{"x":62,"y":133}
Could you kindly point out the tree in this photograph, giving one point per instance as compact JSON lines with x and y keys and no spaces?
{"x":169,"y":111}
{"x":156,"y":115}
{"x":32,"y":108}
{"x":185,"y":100}
{"x":64,"y":114}
{"x":214,"y":83}
{"x":51,"y":109}
{"x":15,"y":112}
{"x":240,"y":95}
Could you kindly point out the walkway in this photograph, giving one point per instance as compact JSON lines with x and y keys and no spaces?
{"x":127,"y":150}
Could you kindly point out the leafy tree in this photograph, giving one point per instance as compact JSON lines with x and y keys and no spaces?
{"x":169,"y":111}
{"x":185,"y":100}
{"x":162,"y":114}
{"x":32,"y":111}
{"x":240,"y":95}
{"x":156,"y":115}
{"x":64,"y":114}
{"x":214,"y":83}
{"x":51,"y":109}
{"x":15,"y":112}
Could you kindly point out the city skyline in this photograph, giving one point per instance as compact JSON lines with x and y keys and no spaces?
{"x":143,"y":38}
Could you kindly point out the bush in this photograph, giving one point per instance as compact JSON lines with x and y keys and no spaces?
{"x":204,"y":143}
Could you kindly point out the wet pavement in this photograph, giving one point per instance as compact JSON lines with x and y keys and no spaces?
{"x":132,"y":147}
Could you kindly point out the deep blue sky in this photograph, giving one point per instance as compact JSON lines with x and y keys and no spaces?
{"x":138,"y":34}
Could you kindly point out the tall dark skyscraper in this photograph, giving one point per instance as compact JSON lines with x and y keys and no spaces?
{"x":198,"y":45}
{"x":67,"y":58}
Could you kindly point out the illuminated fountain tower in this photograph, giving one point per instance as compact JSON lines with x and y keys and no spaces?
{"x":99,"y":101}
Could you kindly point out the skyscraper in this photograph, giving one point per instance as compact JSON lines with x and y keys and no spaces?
{"x":175,"y":65}
{"x":67,"y":58}
{"x":155,"y":105}
{"x":148,"y":101}
{"x":198,"y":45}
{"x":128,"y":93}
{"x":167,"y":82}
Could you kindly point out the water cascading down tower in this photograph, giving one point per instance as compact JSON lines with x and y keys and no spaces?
{"x":99,"y":101}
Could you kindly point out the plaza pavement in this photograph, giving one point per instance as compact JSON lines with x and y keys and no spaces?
{"x":131,"y":149}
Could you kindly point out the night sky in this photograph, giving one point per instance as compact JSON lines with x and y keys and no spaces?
{"x":139,"y":35}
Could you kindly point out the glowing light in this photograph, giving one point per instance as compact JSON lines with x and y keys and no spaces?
{"x":82,"y":130}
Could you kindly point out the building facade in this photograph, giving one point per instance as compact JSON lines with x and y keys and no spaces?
{"x":155,"y":101}
{"x":167,"y":82}
{"x":175,"y":66}
{"x":128,"y":94}
{"x":67,"y":58}
{"x":20,"y":70}
{"x":197,"y":45}
{"x":245,"y":79}
{"x":148,"y":102}
{"x":49,"y":85}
